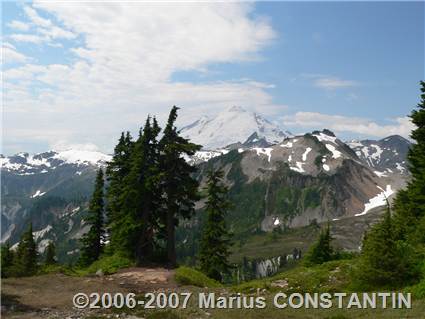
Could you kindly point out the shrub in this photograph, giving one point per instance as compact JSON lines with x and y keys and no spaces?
{"x":190,"y":276}
{"x":109,"y":264}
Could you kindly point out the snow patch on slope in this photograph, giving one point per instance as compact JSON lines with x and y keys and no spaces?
{"x":41,"y":233}
{"x":325,"y":138}
{"x":306,"y":153}
{"x":298,"y":168}
{"x":335,"y":152}
{"x":378,"y":200}
{"x":266,"y":151}
{"x":38,"y":193}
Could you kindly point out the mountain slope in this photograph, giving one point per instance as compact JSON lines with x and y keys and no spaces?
{"x":385,"y":156}
{"x":233,"y":125}
{"x":289,"y":184}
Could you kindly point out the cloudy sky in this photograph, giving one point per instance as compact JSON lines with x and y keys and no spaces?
{"x":79,"y":73}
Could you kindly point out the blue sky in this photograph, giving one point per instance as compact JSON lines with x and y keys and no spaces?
{"x":81,"y":73}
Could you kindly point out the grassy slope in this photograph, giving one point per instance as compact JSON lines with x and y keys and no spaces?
{"x":330,"y":277}
{"x":267,"y":245}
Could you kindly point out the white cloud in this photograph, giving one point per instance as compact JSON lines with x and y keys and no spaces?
{"x":46,"y":31}
{"x":11,"y":55}
{"x":123,"y":67}
{"x":328,"y":82}
{"x":401,"y":125}
{"x":35,"y":18}
{"x":19,"y":25}
{"x":333,"y":83}
{"x":30,"y":38}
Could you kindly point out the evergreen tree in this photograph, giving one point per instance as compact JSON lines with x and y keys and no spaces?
{"x":25,"y":263}
{"x":50,"y":254}
{"x":322,"y":250}
{"x":117,"y":170}
{"x":142,"y":197}
{"x":7,"y":257}
{"x":410,"y":203}
{"x":92,"y":240}
{"x":384,"y":261}
{"x":215,"y":242}
{"x":178,"y":186}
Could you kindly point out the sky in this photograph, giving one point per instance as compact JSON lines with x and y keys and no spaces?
{"x":77,"y":74}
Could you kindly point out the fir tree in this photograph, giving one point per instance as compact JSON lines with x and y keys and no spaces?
{"x":25,"y":263}
{"x":322,"y":250}
{"x":383,"y":261}
{"x":116,"y":171}
{"x":142,"y":194}
{"x":178,"y":186}
{"x":7,"y":258}
{"x":410,"y":203}
{"x":50,"y":254}
{"x":92,"y":240}
{"x":215,"y":242}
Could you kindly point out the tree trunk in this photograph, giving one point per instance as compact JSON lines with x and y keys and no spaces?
{"x":171,"y":241}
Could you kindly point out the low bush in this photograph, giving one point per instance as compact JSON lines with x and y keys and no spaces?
{"x":190,"y":276}
{"x":109,"y":264}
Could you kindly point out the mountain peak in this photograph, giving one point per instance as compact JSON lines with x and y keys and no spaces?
{"x":236,"y":108}
{"x":233,"y":125}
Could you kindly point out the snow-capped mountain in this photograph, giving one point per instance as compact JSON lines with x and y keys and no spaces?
{"x":385,"y":156}
{"x":28,"y":164}
{"x":288,"y":182}
{"x":231,"y":126}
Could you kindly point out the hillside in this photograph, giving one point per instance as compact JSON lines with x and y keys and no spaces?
{"x":309,"y":177}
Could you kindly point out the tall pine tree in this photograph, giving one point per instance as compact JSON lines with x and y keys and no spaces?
{"x":92,"y":240}
{"x":142,"y":197}
{"x":215,"y":242}
{"x":178,"y":186}
{"x":116,"y":171}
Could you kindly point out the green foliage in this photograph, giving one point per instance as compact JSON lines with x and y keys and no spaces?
{"x":394,"y":249}
{"x":292,"y":200}
{"x":50,"y":258}
{"x":92,"y":240}
{"x":7,"y":258}
{"x":322,"y":250}
{"x":151,"y":188}
{"x":192,"y":277}
{"x":180,"y":189}
{"x":141,"y":193}
{"x":109,"y":264}
{"x":57,"y":269}
{"x":215,"y":242}
{"x":385,"y":261}
{"x":25,"y":261}
{"x":116,"y":171}
{"x":332,"y":276}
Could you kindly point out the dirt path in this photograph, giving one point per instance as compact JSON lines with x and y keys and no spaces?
{"x":50,"y":296}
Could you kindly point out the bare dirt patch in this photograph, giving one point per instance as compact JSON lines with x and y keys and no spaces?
{"x":50,"y":296}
